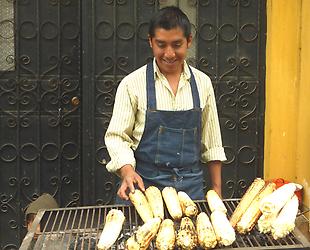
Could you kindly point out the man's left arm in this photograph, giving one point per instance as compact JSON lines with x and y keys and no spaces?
{"x":215,"y":171}
{"x":212,"y":149}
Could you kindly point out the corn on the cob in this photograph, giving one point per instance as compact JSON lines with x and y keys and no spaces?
{"x":285,"y":222}
{"x":187,"y":236}
{"x":132,"y":244}
{"x":215,"y":202}
{"x":165,"y":239}
{"x":155,"y":200}
{"x":251,"y":215}
{"x":142,"y":238}
{"x":256,"y":186}
{"x":273,"y":203}
{"x":172,"y":202}
{"x":205,"y":231}
{"x":188,"y":206}
{"x":265,"y":221}
{"x":225,"y":234}
{"x":112,"y":228}
{"x":141,"y":204}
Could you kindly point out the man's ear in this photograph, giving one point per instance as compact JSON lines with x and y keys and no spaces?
{"x":189,"y":40}
{"x":150,"y":40}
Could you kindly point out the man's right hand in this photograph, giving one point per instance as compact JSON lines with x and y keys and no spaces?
{"x":129,"y":178}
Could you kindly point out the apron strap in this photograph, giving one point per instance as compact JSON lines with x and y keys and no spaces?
{"x":150,"y":88}
{"x":195,"y":94}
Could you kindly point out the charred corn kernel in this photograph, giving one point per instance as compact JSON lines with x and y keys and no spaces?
{"x":254,"y":189}
{"x":111,"y":230}
{"x":165,"y":239}
{"x":215,"y":202}
{"x":251,"y":215}
{"x":144,"y":235}
{"x":265,"y":221}
{"x":205,"y":231}
{"x":172,"y":202}
{"x":274,"y":202}
{"x":225,"y":234}
{"x":188,"y":206}
{"x":155,"y":201}
{"x":285,"y":221}
{"x":187,"y":236}
{"x":141,"y":204}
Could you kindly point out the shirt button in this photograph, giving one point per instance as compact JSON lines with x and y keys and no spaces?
{"x":178,"y":153}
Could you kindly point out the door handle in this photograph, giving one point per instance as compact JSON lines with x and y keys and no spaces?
{"x":75,"y":101}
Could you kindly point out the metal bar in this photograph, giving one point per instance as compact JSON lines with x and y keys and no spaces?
{"x":79,"y":228}
{"x":66,"y":226}
{"x":256,"y":241}
{"x":87,"y":83}
{"x":92,"y":224}
{"x":98,"y":224}
{"x":72,"y":225}
{"x":85,"y":228}
{"x":270,"y":239}
{"x":47,"y":222}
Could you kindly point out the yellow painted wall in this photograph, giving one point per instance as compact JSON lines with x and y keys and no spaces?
{"x":287,"y":114}
{"x":303,"y":128}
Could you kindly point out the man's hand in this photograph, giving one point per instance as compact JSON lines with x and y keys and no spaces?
{"x":129,"y":178}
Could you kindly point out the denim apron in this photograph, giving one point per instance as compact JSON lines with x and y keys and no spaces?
{"x":170,"y":148}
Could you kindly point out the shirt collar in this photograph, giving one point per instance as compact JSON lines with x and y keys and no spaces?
{"x":157,"y":74}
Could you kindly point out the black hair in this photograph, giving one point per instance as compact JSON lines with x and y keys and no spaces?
{"x":169,"y":18}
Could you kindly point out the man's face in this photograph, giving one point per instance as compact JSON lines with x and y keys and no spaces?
{"x":169,"y":49}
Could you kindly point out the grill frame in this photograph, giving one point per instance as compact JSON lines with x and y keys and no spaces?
{"x":82,"y":227}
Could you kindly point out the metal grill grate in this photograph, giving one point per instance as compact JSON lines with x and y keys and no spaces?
{"x":80,"y":228}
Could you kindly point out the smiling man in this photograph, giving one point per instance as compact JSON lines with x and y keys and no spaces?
{"x":165,"y":122}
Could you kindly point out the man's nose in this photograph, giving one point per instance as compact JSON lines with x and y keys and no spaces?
{"x":169,"y":53}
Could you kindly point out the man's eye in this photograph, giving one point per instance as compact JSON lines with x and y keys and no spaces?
{"x":177,"y":45}
{"x":161,"y":45}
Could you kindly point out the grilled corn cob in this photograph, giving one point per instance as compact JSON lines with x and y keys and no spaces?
{"x":111,"y":230}
{"x":155,"y":200}
{"x":205,"y":232}
{"x":165,"y":239}
{"x":142,"y":238}
{"x":215,"y":202}
{"x":285,"y":222}
{"x":187,"y":236}
{"x":141,"y":204}
{"x":251,"y":215}
{"x":273,"y":203}
{"x":172,"y":202}
{"x":256,"y":186}
{"x":189,"y":208}
{"x":225,"y":234}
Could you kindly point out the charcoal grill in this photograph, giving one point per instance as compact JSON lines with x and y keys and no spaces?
{"x":80,"y":228}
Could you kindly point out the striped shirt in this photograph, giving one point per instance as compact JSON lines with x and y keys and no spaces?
{"x":128,"y":119}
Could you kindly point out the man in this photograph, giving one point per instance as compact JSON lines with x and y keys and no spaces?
{"x":165,"y":121}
